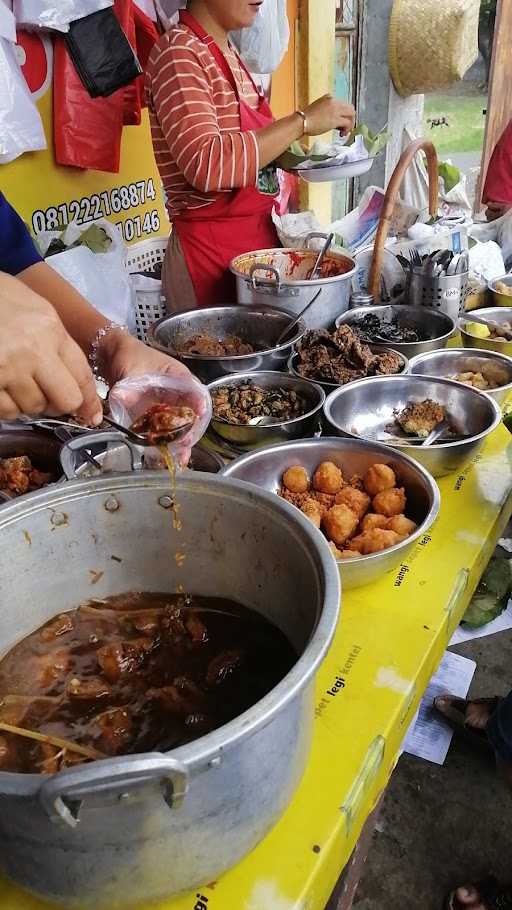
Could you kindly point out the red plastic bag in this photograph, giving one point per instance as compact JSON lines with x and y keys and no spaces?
{"x":87,"y":131}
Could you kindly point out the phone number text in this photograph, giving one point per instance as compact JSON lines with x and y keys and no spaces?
{"x":102,"y":205}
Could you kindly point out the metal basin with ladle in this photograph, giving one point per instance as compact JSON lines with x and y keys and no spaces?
{"x":119,"y":832}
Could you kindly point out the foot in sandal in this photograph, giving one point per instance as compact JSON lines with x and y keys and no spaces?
{"x":487,"y":895}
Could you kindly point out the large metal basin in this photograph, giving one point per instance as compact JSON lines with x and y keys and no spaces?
{"x":366,"y":409}
{"x":117,"y":833}
{"x":260,"y":326}
{"x":265,"y":469}
{"x":437,"y":326}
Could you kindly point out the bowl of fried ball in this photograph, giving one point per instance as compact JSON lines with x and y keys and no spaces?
{"x":370,"y":503}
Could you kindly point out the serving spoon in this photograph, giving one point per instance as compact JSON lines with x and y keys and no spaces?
{"x":141,"y":440}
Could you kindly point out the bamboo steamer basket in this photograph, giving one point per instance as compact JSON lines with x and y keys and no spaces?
{"x":432,"y":44}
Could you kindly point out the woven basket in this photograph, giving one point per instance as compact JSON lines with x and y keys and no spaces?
{"x":432,"y":43}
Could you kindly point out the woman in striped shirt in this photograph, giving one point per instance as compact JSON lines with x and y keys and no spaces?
{"x":215,"y":140}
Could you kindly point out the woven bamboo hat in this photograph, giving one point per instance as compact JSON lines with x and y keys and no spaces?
{"x":432,"y":43}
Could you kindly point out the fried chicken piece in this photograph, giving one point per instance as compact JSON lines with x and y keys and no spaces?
{"x":356,"y":500}
{"x":296,"y":479}
{"x":372,"y":521}
{"x":313,"y":510}
{"x":419,"y":418}
{"x":401,"y":525}
{"x":390,"y":502}
{"x":374,"y":541}
{"x":327,"y":478}
{"x":349,"y":554}
{"x":378,"y":478}
{"x":339,"y":523}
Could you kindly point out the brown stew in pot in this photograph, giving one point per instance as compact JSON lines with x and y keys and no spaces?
{"x":130,"y":674}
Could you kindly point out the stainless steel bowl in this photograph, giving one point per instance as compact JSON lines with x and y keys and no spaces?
{"x":499,"y":314}
{"x":501,"y":299}
{"x":257,"y":325}
{"x":266,"y":468}
{"x":449,"y":363}
{"x":330,"y":386}
{"x":250,"y":436}
{"x":366,"y":409}
{"x":437,"y":326}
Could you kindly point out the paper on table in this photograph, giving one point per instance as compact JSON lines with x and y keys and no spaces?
{"x":500,"y":624}
{"x":428,"y":737}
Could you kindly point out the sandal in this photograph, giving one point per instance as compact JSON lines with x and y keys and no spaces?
{"x":491,"y":894}
{"x":453,"y":711}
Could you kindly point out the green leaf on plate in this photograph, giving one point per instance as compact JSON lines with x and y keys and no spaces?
{"x":374,"y":142}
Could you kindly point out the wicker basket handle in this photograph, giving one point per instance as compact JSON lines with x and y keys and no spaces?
{"x":390,"y":201}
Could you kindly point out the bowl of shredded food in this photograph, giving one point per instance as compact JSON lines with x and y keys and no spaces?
{"x":256,"y":409}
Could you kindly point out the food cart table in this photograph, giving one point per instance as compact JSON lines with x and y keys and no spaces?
{"x":391,"y":639}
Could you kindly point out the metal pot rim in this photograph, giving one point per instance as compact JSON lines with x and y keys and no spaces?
{"x":385,"y":451}
{"x":244,"y":377}
{"x":248,"y":723}
{"x":223,"y":358}
{"x":433,"y":448}
{"x":467,"y":352}
{"x":291,"y":282}
{"x":346,"y":319}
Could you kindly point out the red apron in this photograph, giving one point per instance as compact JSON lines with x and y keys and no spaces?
{"x":498,"y":184}
{"x":238,"y":222}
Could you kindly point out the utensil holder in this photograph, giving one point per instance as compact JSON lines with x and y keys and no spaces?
{"x":391,"y":199}
{"x":446,"y":292}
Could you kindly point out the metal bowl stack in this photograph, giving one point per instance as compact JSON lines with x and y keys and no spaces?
{"x":436,"y":326}
{"x":452,"y":362}
{"x":259,"y":326}
{"x":367,"y":409}
{"x":247,"y":437}
{"x":265,"y":470}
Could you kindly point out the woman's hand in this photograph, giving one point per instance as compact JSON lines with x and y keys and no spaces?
{"x":42,"y":370}
{"x":327,"y":114}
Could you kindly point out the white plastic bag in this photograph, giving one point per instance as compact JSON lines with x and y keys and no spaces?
{"x":167,"y":11}
{"x":55,"y":14}
{"x":486,"y":261}
{"x":263,"y":45}
{"x":100,"y":277}
{"x":21,"y":128}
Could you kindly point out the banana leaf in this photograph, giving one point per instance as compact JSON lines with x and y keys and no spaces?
{"x":492,"y":595}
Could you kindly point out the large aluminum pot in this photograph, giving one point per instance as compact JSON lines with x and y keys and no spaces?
{"x":265,"y":469}
{"x":119,"y":832}
{"x":260,"y":326}
{"x":279,"y":277}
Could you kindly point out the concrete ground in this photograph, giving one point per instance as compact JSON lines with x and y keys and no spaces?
{"x":442,"y":826}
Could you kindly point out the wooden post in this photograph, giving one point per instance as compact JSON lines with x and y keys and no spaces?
{"x":317,"y":45}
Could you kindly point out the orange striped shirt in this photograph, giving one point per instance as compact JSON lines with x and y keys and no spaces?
{"x":199,"y":148}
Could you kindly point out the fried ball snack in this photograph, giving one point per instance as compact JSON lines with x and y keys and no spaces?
{"x":334,"y":550}
{"x":349,"y":554}
{"x":390,"y":502}
{"x":378,"y":478}
{"x":372,"y":521}
{"x":374,"y":541}
{"x":296,"y":479}
{"x":401,"y":525}
{"x":339,"y":523}
{"x":327,"y":478}
{"x":356,"y":500}
{"x":313,"y":510}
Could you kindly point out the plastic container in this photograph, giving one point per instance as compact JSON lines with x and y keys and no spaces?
{"x":149,"y":301}
{"x":132,"y":397}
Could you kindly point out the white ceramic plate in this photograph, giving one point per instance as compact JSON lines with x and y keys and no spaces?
{"x":329,"y":174}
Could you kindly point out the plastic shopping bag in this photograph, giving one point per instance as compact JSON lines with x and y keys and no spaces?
{"x":102,"y":54}
{"x":101,"y":278}
{"x":21,"y":128}
{"x":168,"y":10}
{"x":263,"y":46}
{"x":55,"y":14}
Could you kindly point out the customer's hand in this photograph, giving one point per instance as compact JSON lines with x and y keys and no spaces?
{"x":327,"y":114}
{"x":42,"y":370}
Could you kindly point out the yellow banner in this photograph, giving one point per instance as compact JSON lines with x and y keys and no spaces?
{"x":48,"y":196}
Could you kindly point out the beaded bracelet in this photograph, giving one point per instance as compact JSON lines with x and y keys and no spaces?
{"x":100,"y":336}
